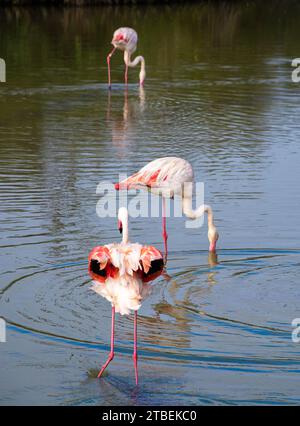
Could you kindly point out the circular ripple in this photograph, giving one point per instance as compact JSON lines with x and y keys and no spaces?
{"x":224,"y":313}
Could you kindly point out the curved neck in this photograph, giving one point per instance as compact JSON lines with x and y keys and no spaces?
{"x":134,"y":63}
{"x":194,"y":214}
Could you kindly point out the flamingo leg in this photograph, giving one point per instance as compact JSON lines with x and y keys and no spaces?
{"x":135,"y":356}
{"x":164,"y":234}
{"x":126,"y":74}
{"x":112,"y":338}
{"x":108,"y":66}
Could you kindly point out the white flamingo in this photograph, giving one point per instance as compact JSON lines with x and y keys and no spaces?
{"x":166,"y":177}
{"x":121,"y":273}
{"x":125,"y":39}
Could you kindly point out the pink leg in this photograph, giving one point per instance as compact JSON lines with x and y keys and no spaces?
{"x":135,"y":357}
{"x":108,"y":66}
{"x":165,"y":235}
{"x":111,"y":354}
{"x":126,"y":74}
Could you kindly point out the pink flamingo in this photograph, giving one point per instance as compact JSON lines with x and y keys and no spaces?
{"x":121,"y":273}
{"x":126,"y":39}
{"x":166,"y":177}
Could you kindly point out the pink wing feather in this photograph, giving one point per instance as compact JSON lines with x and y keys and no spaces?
{"x":152,"y":263}
{"x":160,"y":173}
{"x":100,"y":264}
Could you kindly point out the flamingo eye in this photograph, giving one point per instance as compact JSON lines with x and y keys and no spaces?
{"x":120,"y":226}
{"x":120,"y":37}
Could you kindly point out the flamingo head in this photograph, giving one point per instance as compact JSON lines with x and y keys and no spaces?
{"x":213,"y":237}
{"x":122,"y":218}
{"x":119,"y":40}
{"x":120,"y":226}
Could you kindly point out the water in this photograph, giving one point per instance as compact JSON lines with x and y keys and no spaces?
{"x":218,"y":93}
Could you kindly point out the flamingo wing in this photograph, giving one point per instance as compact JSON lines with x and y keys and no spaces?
{"x":100,"y":264}
{"x":152,"y":263}
{"x":161,"y":173}
{"x":138,"y":180}
{"x":151,"y":174}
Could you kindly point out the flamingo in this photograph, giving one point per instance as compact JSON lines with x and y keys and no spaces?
{"x":121,"y":274}
{"x":125,"y":39}
{"x":166,"y":176}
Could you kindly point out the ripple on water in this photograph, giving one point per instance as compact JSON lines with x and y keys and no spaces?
{"x":191,"y":318}
{"x":217,"y":95}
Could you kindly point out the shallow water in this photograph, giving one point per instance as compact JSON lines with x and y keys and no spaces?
{"x":218,"y":93}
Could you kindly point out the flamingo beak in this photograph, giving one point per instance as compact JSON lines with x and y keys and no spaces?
{"x":212,"y":247}
{"x":120,"y":226}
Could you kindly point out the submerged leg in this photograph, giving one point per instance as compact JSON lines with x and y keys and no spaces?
{"x":108,"y":66}
{"x":164,"y":234}
{"x":112,"y":338}
{"x":135,"y":357}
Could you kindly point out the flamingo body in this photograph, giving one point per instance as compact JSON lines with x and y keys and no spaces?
{"x":166,"y":176}
{"x":121,"y":274}
{"x":125,"y":39}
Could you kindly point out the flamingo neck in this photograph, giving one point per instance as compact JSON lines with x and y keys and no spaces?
{"x":125,"y":231}
{"x":134,"y":63}
{"x":194,"y":214}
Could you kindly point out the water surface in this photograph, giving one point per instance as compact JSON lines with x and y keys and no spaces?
{"x":218,"y":93}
